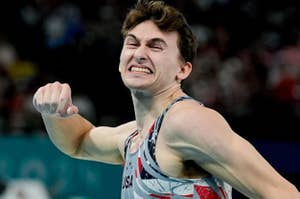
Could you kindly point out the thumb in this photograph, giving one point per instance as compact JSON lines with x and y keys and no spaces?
{"x":72,"y":110}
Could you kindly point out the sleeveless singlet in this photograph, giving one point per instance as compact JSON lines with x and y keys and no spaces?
{"x":143,"y":179}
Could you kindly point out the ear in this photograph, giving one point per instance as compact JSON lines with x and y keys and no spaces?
{"x":184,"y":72}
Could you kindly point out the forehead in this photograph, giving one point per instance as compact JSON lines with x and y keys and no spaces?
{"x":147,"y":30}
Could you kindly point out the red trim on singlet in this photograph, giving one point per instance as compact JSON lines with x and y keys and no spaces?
{"x":170,"y":195}
{"x":208,"y":192}
{"x":140,"y":165}
{"x":151,"y":129}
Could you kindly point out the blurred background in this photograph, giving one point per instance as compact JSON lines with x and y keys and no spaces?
{"x":247,"y":68}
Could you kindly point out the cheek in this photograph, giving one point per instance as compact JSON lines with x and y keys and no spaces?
{"x":169,"y":64}
{"x":171,"y":68}
{"x":123,"y":60}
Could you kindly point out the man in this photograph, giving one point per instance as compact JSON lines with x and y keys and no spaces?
{"x":176,"y":147}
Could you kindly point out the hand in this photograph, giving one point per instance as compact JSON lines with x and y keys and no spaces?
{"x":54,"y":99}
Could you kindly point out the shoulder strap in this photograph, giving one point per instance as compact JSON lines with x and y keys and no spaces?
{"x":159,"y":120}
{"x":156,"y":127}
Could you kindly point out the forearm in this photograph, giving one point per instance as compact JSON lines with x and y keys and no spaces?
{"x":67,"y":133}
{"x":259,"y":178}
{"x":262,"y":180}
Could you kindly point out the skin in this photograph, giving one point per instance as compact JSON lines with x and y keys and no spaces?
{"x":192,"y":136}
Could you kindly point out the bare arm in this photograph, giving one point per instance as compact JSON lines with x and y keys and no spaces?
{"x":73,"y":134}
{"x":67,"y":133}
{"x":207,"y":139}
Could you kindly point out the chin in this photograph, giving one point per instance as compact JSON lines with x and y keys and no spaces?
{"x":136,"y":84}
{"x":136,"y":87}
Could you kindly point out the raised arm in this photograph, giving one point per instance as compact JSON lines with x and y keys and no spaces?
{"x":72,"y":133}
{"x":207,"y":139}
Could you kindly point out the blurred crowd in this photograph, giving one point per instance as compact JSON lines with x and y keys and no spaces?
{"x":23,"y":189}
{"x":248,"y":63}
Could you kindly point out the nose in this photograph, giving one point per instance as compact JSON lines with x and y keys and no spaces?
{"x":140,"y":55}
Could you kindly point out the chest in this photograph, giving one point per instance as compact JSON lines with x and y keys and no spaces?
{"x":168,"y":161}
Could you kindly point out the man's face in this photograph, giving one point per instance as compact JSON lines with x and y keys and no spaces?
{"x":150,"y":59}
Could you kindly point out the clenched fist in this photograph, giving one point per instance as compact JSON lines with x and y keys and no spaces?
{"x":54,"y":99}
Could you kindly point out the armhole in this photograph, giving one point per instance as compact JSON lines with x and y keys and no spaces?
{"x":128,"y":141}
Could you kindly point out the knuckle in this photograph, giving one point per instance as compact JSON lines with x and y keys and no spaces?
{"x":56,"y":84}
{"x":48,"y":85}
{"x":66,"y":85}
{"x":40,"y":90}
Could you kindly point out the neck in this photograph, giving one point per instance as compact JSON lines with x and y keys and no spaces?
{"x":148,"y":106}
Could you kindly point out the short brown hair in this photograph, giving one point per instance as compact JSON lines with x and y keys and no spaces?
{"x":168,"y":19}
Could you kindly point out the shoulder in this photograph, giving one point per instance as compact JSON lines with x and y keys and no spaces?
{"x":191,"y":125}
{"x":190,"y":114}
{"x":119,"y":130}
{"x":124,"y":130}
{"x":114,"y":135}
{"x":128,"y":126}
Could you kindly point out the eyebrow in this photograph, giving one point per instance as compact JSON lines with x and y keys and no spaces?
{"x":153,"y":40}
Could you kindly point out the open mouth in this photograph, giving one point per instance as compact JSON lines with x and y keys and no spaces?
{"x":140,"y":69}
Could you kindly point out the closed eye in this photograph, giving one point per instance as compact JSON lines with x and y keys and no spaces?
{"x":156,"y":47}
{"x":132,"y":45}
{"x":157,"y":44}
{"x":131,"y":42}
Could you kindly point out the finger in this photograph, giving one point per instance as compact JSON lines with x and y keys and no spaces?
{"x":54,"y":98}
{"x":39,"y":99}
{"x":72,"y":110}
{"x":34,"y":101}
{"x":46,"y":99}
{"x":64,"y":99}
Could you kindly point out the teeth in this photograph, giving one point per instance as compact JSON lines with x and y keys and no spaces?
{"x":138,"y":69}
